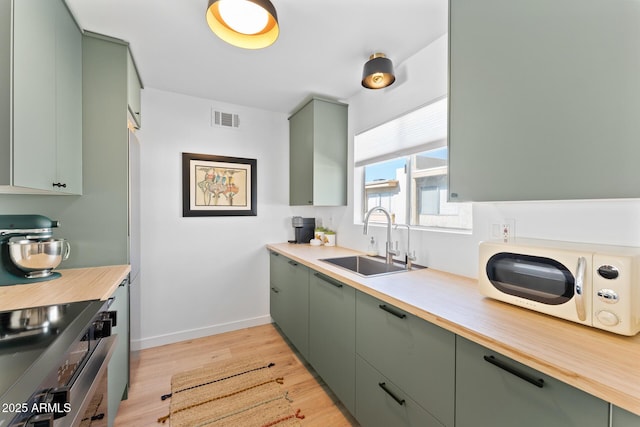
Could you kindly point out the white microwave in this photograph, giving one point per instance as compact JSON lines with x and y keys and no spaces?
{"x":595,"y":285}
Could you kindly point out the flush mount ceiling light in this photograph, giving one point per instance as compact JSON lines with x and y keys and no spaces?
{"x":250,"y":24}
{"x":378,"y":72}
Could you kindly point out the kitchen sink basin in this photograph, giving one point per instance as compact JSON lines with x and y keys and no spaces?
{"x":366,"y":266}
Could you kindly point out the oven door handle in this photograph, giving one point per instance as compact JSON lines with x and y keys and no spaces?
{"x":579,"y":288}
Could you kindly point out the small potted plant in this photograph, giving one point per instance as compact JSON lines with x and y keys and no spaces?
{"x":319,"y":234}
{"x":329,"y":238}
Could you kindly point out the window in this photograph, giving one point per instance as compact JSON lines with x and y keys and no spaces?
{"x":382,"y":187}
{"x":403,"y":165}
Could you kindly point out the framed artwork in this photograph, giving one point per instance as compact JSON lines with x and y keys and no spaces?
{"x":218,"y":185}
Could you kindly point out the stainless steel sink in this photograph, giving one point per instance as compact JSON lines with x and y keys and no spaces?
{"x":365,"y":266}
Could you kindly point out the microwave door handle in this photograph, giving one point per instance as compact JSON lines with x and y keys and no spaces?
{"x":579,"y":288}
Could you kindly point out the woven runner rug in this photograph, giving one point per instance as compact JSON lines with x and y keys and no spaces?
{"x":233,"y":393}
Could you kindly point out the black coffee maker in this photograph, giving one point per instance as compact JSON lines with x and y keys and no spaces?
{"x":304,"y":229}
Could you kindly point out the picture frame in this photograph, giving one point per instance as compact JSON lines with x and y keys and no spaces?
{"x":218,"y":185}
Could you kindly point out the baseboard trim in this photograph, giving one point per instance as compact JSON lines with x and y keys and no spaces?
{"x":190,"y":334}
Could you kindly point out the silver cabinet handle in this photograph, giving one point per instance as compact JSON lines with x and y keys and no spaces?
{"x":579,"y":288}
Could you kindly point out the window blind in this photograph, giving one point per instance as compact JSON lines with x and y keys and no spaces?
{"x":420,"y":130}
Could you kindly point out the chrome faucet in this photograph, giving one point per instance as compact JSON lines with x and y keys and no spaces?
{"x":389,"y":251}
{"x":409,"y":255}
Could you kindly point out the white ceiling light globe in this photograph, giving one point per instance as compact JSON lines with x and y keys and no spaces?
{"x":243,"y":16}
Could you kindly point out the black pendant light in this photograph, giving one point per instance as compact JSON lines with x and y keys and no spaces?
{"x":250,"y":24}
{"x":378,"y":72}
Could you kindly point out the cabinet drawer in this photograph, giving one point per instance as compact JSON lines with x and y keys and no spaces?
{"x":493,"y":390}
{"x":414,"y":354}
{"x":380,"y":402}
{"x":285,"y":272}
{"x":277,"y":268}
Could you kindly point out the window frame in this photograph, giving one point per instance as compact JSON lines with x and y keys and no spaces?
{"x":411,"y":213}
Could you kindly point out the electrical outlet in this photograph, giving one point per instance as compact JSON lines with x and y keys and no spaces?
{"x":504,"y":230}
{"x":508,"y":229}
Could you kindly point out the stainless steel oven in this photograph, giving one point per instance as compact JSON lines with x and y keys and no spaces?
{"x":56,"y":362}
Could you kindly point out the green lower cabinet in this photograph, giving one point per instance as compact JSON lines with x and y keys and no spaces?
{"x":118,"y":369}
{"x":289,"y":283}
{"x":332,"y":337}
{"x":391,"y":368}
{"x":380,"y":402}
{"x":493,"y":390}
{"x":622,"y":418}
{"x":417,"y":356}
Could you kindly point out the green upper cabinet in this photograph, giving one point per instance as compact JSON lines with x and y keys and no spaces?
{"x":107,"y":198}
{"x":134,"y":85}
{"x":543,"y":100}
{"x":42,"y":74}
{"x":68,"y":104}
{"x":318,"y":154}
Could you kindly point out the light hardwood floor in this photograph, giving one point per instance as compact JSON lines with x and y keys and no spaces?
{"x":152,"y":370}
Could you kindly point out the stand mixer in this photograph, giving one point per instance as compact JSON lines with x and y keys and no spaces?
{"x":28,"y":253}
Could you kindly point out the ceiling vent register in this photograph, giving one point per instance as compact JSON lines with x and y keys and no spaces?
{"x":225,"y":120}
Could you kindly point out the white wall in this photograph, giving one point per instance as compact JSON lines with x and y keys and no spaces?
{"x":423,"y":78}
{"x":202,"y":276}
{"x":206,"y":275}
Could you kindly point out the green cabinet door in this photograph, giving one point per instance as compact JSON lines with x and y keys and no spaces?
{"x":290,"y":291}
{"x":417,"y":356}
{"x":381,"y":403}
{"x":133,"y":91}
{"x":34,"y":93}
{"x":118,"y":370}
{"x":332,"y":335}
{"x":493,"y":390}
{"x":526,"y":95}
{"x":276,"y":307}
{"x":301,"y":157}
{"x":47,"y":97}
{"x":318,"y":154}
{"x":622,"y":418}
{"x":68,"y":104}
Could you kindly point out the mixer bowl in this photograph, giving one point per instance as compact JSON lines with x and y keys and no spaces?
{"x":37,"y":258}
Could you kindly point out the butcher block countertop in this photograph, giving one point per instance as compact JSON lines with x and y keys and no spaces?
{"x":77,"y":284}
{"x":600,"y":363}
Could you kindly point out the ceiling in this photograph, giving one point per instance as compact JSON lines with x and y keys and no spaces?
{"x":321,"y":50}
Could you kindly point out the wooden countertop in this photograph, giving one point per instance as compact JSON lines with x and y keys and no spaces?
{"x":600,"y":363}
{"x":77,"y":284}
